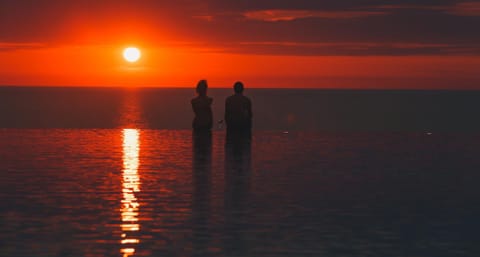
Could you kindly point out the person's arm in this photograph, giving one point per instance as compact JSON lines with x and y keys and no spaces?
{"x":227,"y":112}
{"x":250,"y":113}
{"x":194,"y":108}
{"x":249,"y":109}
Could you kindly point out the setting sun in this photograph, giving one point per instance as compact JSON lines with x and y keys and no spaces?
{"x":131,"y":54}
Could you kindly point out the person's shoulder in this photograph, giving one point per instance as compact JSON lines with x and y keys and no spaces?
{"x":229,"y":98}
{"x":246,"y":98}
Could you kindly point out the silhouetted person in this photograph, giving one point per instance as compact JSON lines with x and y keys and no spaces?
{"x":202,"y":108}
{"x":238,"y":113}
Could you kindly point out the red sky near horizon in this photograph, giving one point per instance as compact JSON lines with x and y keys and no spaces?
{"x":265,"y":43}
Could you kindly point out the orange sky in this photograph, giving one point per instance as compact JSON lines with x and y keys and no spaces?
{"x":64,"y":44}
{"x":97,"y":65}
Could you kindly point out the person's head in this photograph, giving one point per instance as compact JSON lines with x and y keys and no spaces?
{"x":238,"y":87}
{"x":202,"y":87}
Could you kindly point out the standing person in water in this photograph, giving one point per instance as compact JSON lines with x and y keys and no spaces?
{"x":238,"y":112}
{"x":202,"y":108}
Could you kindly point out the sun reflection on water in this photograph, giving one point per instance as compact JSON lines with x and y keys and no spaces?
{"x":130,"y":186}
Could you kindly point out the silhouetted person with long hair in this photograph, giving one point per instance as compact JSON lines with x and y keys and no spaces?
{"x":202,"y":108}
{"x":238,"y":113}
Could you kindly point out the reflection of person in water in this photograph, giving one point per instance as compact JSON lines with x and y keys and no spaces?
{"x":202,"y":163}
{"x":237,"y":187}
{"x":238,"y":112}
{"x":202,"y":108}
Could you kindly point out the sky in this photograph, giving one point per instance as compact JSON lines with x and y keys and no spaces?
{"x":386,"y":44}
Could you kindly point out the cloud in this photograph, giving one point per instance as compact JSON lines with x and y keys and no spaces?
{"x":290,"y":15}
{"x":458,"y":9}
{"x":354,"y":48}
{"x":301,"y":27}
{"x":204,"y":17}
{"x":465,"y":9}
{"x":9,"y":46}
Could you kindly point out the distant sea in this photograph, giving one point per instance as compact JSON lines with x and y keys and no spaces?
{"x":117,"y":172}
{"x":274,"y":109}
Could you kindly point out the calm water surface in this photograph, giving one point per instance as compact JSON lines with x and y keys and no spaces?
{"x":140,"y":192}
{"x":113,"y":172}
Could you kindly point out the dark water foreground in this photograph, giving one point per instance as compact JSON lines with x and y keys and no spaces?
{"x":132,"y":192}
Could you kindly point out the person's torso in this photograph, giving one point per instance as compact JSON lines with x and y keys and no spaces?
{"x":238,"y":108}
{"x":203,"y":111}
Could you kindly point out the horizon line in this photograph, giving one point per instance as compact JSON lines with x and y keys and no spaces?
{"x":247,"y":88}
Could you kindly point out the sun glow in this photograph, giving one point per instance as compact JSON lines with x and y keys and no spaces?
{"x":132,"y":54}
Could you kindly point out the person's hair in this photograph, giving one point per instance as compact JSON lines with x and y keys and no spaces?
{"x":202,"y":87}
{"x":238,"y":87}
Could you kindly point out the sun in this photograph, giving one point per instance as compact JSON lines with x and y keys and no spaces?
{"x":131,"y":54}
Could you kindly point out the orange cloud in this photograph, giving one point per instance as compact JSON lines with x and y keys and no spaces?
{"x":290,"y":15}
{"x":204,"y":17}
{"x":350,"y":44}
{"x":9,"y":46}
{"x":354,"y":48}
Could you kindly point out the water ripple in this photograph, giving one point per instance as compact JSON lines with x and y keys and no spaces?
{"x":157,"y":192}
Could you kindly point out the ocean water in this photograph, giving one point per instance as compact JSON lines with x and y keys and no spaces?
{"x":116,"y":172}
{"x":274,"y":109}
